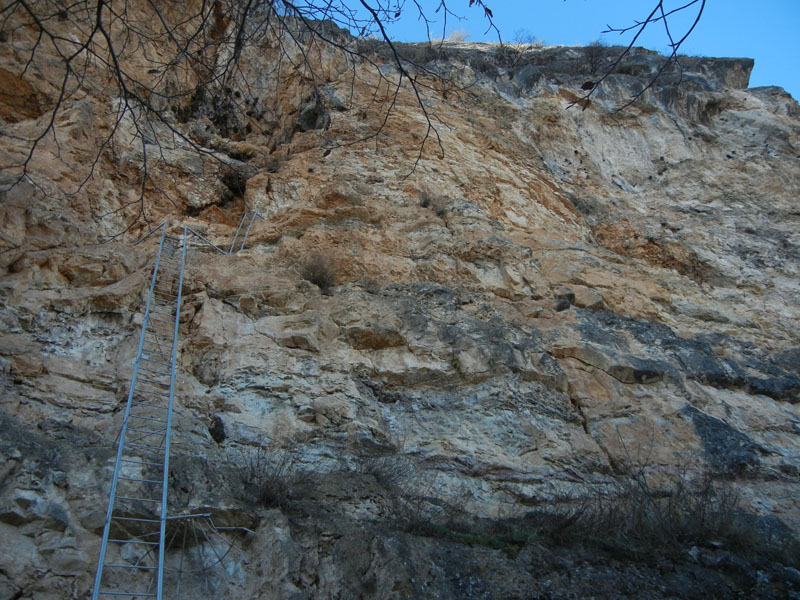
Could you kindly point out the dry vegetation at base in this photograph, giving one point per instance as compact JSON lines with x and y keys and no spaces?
{"x":266,"y":477}
{"x":643,"y":517}
{"x":318,"y":270}
{"x":647,"y":515}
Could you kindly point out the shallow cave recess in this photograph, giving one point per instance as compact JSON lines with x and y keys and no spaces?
{"x":230,"y":206}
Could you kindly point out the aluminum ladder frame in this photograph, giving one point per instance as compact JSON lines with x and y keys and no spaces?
{"x":144,"y":441}
{"x":254,"y":215}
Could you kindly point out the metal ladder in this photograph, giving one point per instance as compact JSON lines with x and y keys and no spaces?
{"x":253,"y":216}
{"x":131,"y":562}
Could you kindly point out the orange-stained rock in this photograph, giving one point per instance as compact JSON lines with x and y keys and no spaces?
{"x":558,"y":295}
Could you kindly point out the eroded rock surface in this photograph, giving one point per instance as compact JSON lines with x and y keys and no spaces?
{"x":581,"y":289}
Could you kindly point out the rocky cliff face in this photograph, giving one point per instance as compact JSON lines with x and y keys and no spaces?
{"x":558,"y":297}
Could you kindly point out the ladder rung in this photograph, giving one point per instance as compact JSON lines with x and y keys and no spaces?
{"x":166,"y":342}
{"x":142,"y":392}
{"x":160,"y":319}
{"x":160,"y":345}
{"x":155,"y":343}
{"x":143,"y":438}
{"x":158,"y":362}
{"x":141,"y":396}
{"x":140,"y":367}
{"x":150,"y":318}
{"x":140,"y":567}
{"x":149,"y":373}
{"x":157,"y":500}
{"x":164,"y":358}
{"x":133,"y":542}
{"x":153,"y":403}
{"x":160,"y":322}
{"x":134,"y":445}
{"x":151,"y":393}
{"x":165,"y":338}
{"x":164,"y":332}
{"x":148,"y":405}
{"x":153,"y":382}
{"x":141,"y":462}
{"x":147,"y":418}
{"x":142,"y":480}
{"x":155,"y":374}
{"x":138,"y":520}
{"x":146,"y":370}
{"x":170,"y":315}
{"x":107,"y":593}
{"x":155,"y":363}
{"x":147,"y":431}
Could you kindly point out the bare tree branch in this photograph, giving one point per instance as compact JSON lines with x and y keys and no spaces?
{"x":166,"y":65}
{"x":657,"y":14}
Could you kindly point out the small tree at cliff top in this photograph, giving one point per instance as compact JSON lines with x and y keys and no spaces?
{"x":166,"y":63}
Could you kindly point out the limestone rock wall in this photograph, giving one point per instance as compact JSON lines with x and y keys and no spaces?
{"x":561,"y":291}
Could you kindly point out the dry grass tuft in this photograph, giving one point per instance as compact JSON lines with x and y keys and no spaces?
{"x":319,"y":271}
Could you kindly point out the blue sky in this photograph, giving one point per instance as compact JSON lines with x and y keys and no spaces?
{"x":766,"y":30}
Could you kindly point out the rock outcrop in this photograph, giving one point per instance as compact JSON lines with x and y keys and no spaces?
{"x":561,"y":294}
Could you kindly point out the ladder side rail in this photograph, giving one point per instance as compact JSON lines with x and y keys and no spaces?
{"x":212,"y":244}
{"x":162,"y":545}
{"x":247,"y":232}
{"x":236,"y":235}
{"x":147,"y":235}
{"x":120,"y":447}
